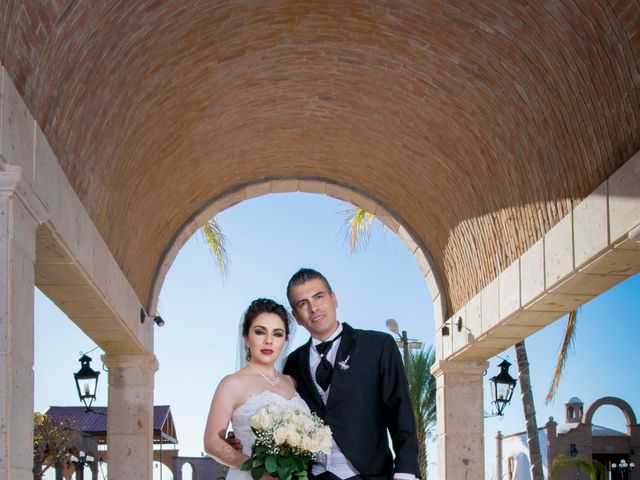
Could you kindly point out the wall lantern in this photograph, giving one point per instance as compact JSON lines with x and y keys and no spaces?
{"x":502,"y":386}
{"x":157,"y":319}
{"x":573,"y":450}
{"x":86,"y":382}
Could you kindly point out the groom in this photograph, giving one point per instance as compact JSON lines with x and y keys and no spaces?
{"x":354,"y":380}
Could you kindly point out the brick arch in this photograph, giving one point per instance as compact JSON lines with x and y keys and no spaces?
{"x":306,"y":185}
{"x":616,"y":402}
{"x":480,"y":125}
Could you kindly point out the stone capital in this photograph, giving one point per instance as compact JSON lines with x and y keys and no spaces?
{"x":444,"y":367}
{"x":13,"y":184}
{"x":149,"y":362}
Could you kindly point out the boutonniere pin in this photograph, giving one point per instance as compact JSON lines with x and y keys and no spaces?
{"x":344,"y":364}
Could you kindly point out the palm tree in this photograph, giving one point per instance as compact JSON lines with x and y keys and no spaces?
{"x":528,"y":405}
{"x":422,"y":389}
{"x":593,"y":468}
{"x":529,"y":412}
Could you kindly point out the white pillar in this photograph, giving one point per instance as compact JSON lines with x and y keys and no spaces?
{"x":460,"y":424}
{"x":130,"y":421}
{"x":20,"y":213}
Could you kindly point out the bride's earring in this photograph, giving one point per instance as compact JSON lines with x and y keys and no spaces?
{"x":248,"y":356}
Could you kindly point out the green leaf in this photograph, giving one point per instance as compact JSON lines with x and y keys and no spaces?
{"x":302,"y":475}
{"x":271,"y":463}
{"x":257,"y":473}
{"x":258,"y":461}
{"x":284,"y":473}
{"x":299,"y":464}
{"x":286,"y":461}
{"x":247,"y":465}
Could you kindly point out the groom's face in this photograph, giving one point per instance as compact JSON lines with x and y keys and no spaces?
{"x":314,"y":307}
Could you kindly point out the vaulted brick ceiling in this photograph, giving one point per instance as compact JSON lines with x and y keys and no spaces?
{"x":478,"y":123}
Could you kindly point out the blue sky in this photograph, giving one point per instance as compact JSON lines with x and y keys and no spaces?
{"x":270,"y":237}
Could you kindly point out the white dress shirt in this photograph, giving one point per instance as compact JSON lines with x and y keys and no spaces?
{"x":334,"y":462}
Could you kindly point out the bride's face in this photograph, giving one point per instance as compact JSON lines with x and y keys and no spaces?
{"x":266,"y":338}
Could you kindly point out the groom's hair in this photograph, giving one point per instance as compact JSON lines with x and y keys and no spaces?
{"x":303,"y":276}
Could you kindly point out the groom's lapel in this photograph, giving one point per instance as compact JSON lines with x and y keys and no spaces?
{"x":305,"y":372}
{"x":340,"y":382}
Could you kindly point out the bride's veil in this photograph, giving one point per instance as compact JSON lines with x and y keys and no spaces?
{"x":241,"y":352}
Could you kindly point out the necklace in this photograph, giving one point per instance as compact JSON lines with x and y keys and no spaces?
{"x":271,"y":382}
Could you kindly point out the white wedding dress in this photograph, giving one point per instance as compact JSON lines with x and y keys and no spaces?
{"x":241,"y":422}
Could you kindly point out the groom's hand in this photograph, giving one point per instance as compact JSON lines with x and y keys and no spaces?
{"x":232,"y":440}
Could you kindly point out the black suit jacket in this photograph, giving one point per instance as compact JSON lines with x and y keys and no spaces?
{"x":369,"y":395}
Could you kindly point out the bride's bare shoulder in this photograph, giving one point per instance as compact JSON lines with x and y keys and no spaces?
{"x":236,"y":388}
{"x":237,"y":381}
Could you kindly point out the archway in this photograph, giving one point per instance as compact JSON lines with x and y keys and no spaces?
{"x":624,"y":407}
{"x":322,"y":186}
{"x":209,"y":327}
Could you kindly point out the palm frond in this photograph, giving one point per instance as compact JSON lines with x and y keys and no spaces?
{"x":593,"y":468}
{"x":217,"y":241}
{"x":357,"y":223}
{"x":565,"y":348}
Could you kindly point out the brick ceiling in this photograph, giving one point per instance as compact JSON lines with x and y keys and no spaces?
{"x":479,"y":124}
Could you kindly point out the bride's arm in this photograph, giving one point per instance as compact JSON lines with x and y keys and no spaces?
{"x":222,"y":405}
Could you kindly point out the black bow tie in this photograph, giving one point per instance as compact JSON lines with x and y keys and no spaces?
{"x":324,"y":372}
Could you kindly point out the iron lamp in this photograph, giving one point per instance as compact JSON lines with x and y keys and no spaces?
{"x":502,"y":386}
{"x":86,"y":382}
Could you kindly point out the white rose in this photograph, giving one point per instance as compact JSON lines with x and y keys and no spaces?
{"x":280,"y":435}
{"x":266,"y":421}
{"x":306,"y":444}
{"x":256,"y":420}
{"x":295,"y":419}
{"x":314,"y":445}
{"x":293,"y":438}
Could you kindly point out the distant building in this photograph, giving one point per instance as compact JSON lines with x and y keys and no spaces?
{"x":93,"y":441}
{"x":576,"y":436}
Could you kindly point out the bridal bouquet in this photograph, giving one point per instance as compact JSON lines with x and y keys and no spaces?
{"x":286,"y":440}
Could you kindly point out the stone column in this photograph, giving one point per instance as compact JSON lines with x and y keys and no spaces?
{"x":20,"y":213}
{"x":460,"y":424}
{"x":130,"y":420}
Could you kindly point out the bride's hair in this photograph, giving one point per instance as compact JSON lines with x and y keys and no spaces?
{"x":264,"y":305}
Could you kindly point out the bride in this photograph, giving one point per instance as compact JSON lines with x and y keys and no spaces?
{"x":265,"y":331}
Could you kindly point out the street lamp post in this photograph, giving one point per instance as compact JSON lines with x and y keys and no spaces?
{"x":623,"y":467}
{"x":80,"y":462}
{"x":403,"y":342}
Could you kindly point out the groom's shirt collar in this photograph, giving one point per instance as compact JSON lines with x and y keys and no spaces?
{"x":315,"y":341}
